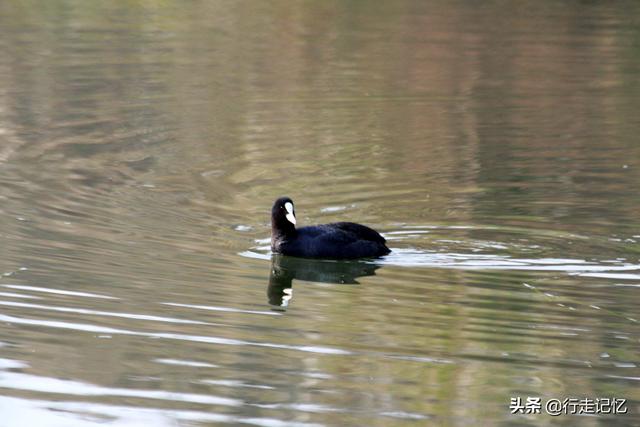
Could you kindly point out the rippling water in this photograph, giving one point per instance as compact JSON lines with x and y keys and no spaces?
{"x":143,"y":143}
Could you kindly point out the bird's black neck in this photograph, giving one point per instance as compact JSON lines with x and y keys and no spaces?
{"x":282,"y":230}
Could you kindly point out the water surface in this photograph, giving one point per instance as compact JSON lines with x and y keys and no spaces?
{"x":143,"y":143}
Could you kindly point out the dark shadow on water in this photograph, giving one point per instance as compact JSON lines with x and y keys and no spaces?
{"x":285,"y":269}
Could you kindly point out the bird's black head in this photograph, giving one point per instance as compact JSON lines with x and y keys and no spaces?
{"x":283,"y":217}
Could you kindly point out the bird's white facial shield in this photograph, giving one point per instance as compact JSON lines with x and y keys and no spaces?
{"x":290,"y":215}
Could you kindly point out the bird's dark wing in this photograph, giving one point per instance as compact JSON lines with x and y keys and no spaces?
{"x":359,"y":231}
{"x":339,"y":240}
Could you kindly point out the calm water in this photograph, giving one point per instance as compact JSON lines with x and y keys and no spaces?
{"x":141,"y":147}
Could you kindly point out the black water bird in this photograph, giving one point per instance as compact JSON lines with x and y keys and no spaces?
{"x":338,"y":240}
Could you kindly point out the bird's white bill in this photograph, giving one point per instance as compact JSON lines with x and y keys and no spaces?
{"x":290,"y":216}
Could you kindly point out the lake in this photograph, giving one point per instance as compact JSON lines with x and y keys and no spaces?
{"x":494,"y":144}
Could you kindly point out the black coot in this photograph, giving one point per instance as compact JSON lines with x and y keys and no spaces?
{"x":339,"y":240}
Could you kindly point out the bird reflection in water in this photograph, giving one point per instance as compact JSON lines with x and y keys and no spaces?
{"x":285,"y":268}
